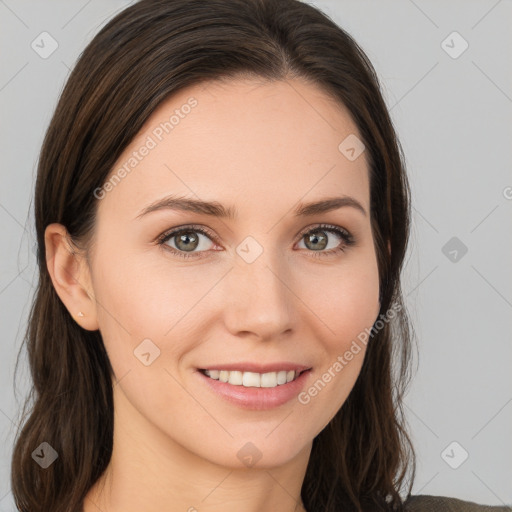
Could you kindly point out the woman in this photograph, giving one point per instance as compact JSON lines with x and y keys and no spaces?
{"x":222,"y":214}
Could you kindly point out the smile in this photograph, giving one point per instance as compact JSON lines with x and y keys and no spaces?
{"x":252,"y":379}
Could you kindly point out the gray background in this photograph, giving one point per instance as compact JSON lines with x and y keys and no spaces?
{"x":453,"y":118}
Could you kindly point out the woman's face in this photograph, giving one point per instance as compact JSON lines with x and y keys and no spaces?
{"x":264,"y":285}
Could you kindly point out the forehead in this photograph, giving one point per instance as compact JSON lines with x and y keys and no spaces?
{"x":245,"y":142}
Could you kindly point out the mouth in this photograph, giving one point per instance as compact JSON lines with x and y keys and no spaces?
{"x":253,"y":390}
{"x":254,"y":379}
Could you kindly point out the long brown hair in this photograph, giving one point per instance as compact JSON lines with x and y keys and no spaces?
{"x":152,"y":49}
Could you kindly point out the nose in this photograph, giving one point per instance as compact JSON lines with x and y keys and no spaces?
{"x":259,"y":302}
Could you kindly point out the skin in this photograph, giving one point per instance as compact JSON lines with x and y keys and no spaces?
{"x":259,"y":147}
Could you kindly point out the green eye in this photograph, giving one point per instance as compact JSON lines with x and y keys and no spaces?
{"x":187,"y":240}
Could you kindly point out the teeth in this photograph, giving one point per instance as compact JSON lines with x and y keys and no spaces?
{"x":251,"y":379}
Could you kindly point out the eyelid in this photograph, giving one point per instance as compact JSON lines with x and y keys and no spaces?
{"x":347,"y":237}
{"x":320,"y":225}
{"x":188,"y":227}
{"x":210,"y":233}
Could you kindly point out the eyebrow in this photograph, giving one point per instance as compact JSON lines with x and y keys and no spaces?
{"x":215,"y":209}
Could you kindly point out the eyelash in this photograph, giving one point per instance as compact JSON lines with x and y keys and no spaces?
{"x":348,"y":239}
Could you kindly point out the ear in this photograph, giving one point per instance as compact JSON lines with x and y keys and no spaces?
{"x":70,"y":274}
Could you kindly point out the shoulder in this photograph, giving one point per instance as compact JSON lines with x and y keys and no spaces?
{"x":426,"y":503}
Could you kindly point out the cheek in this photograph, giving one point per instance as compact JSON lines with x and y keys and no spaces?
{"x":347,"y":309}
{"x":149,"y":305}
{"x":347,"y":298}
{"x":140,"y":297}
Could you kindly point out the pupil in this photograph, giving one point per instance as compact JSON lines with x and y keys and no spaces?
{"x":186,"y":238}
{"x":315,"y":239}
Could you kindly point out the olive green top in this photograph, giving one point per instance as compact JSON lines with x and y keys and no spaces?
{"x":425,"y":503}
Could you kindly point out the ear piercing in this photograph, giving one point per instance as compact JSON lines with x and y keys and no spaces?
{"x":79,"y":315}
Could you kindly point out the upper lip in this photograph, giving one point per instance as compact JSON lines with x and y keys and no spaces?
{"x":258,"y":368}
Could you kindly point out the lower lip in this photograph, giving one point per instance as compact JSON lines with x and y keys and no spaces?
{"x":258,"y":399}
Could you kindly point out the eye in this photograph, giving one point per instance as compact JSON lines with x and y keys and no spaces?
{"x":185,"y":240}
{"x":317,"y":239}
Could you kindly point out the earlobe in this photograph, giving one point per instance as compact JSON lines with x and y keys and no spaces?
{"x":70,"y":276}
